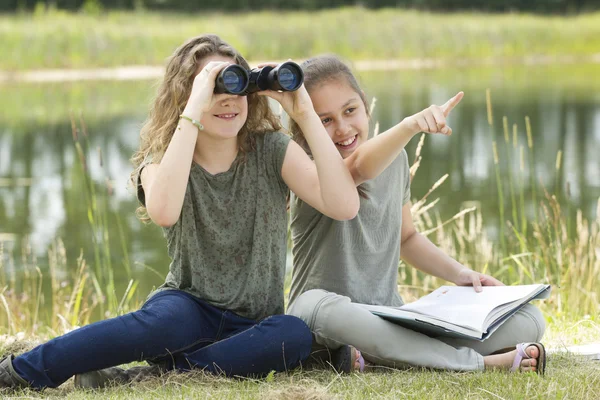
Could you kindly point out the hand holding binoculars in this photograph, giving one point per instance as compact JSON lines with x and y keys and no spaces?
{"x":234,"y":79}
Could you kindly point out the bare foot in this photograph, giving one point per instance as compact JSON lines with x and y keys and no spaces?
{"x":505,"y":360}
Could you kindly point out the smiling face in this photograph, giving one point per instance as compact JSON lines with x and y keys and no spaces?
{"x":228,"y":115}
{"x":343,"y":114}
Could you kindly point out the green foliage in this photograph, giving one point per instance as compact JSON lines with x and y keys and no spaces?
{"x":92,"y":7}
{"x":546,"y":6}
{"x":59,"y":39}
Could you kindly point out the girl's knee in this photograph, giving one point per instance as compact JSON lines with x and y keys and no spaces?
{"x":307,"y":305}
{"x":536,"y":319}
{"x":293,"y":332}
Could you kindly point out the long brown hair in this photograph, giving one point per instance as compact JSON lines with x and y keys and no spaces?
{"x":172,"y":97}
{"x":317,"y":71}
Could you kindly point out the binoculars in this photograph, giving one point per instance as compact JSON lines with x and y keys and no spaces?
{"x":234,"y":79}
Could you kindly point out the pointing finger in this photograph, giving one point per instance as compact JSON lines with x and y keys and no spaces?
{"x":453,"y":102}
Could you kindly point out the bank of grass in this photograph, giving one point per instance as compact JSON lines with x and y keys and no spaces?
{"x":57,"y":39}
{"x":567,"y":377}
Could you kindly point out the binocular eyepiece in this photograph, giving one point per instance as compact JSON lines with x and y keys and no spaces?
{"x":234,"y":79}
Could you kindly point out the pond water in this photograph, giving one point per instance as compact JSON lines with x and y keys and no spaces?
{"x":41,"y":187}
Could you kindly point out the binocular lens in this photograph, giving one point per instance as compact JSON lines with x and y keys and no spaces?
{"x":233,"y":79}
{"x":289,"y":78}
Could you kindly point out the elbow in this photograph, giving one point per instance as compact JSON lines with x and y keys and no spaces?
{"x":163,"y":222}
{"x":161,"y":215}
{"x":406,"y":236}
{"x":348,"y":210}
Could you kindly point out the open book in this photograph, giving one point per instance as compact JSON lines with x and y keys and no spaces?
{"x":459,"y":311}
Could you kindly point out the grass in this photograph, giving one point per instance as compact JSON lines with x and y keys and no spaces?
{"x":567,"y":377}
{"x":57,"y":39}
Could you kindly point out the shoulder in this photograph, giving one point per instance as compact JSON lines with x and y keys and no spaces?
{"x":273,"y":139}
{"x":403,"y":157}
{"x":272,"y":146}
{"x":400,"y":163}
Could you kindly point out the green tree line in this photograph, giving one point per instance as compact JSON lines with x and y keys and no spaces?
{"x":538,"y":6}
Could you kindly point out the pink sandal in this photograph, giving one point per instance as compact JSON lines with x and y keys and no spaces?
{"x":522,"y":354}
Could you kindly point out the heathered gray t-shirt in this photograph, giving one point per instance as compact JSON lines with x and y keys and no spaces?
{"x":356,"y":258}
{"x":230,"y":242}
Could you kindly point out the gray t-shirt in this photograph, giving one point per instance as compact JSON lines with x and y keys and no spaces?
{"x":356,"y":258}
{"x":230,"y":242}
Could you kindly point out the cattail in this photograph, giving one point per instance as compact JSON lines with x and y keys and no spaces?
{"x":529,"y":136}
{"x":522,"y":158}
{"x":515,"y":139}
{"x":372,"y":107}
{"x":488,"y":101}
{"x":83,"y":125}
{"x":495,"y":151}
{"x":558,"y":159}
{"x":74,"y":128}
{"x":505,"y":128}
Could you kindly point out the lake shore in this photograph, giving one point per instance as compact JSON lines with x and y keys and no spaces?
{"x":146,"y":72}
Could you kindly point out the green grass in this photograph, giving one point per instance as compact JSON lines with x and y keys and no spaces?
{"x":567,"y":377}
{"x":59,"y":39}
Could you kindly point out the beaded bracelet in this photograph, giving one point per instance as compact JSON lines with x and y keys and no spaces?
{"x":196,"y":123}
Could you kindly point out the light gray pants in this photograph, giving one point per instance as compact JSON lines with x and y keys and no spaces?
{"x":336,"y":321}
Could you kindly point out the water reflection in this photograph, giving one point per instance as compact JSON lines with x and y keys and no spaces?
{"x":563,"y":105}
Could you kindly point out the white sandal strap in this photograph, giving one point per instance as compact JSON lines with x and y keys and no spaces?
{"x":521,"y":354}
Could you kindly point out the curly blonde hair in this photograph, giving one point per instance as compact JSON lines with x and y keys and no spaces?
{"x":172,"y":97}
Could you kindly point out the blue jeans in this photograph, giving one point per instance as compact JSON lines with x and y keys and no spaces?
{"x":177,"y":330}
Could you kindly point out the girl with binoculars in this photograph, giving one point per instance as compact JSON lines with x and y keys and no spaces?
{"x":339,"y":263}
{"x":214,"y":172}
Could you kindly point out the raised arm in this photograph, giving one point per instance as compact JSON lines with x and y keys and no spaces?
{"x":373,"y":157}
{"x":326,"y":183}
{"x":165,"y":183}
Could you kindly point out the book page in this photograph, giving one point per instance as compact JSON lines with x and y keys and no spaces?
{"x":463,"y":306}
